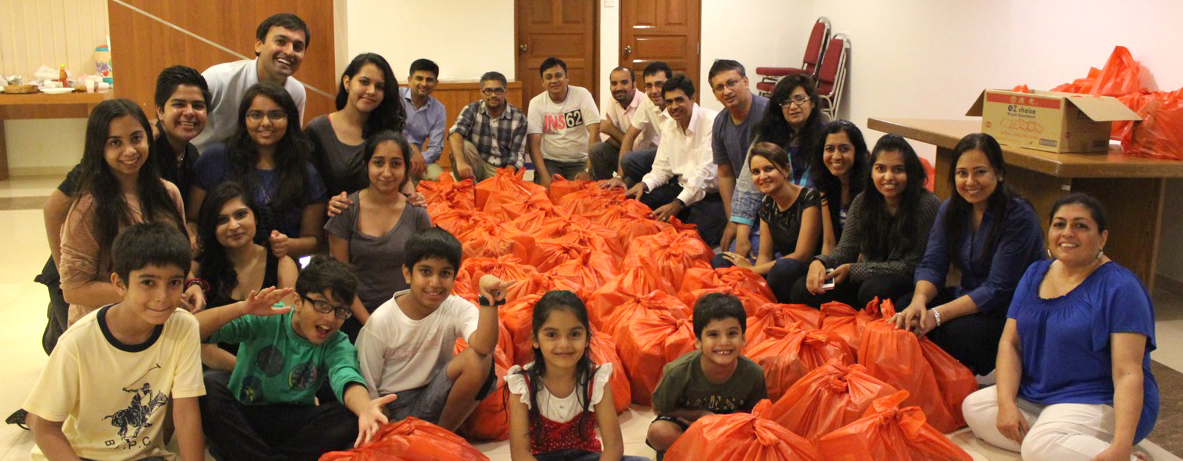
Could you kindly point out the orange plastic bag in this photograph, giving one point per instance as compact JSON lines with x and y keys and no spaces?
{"x":488,"y":240}
{"x":827,"y":398}
{"x":589,"y":200}
{"x":505,"y":180}
{"x":458,"y":221}
{"x":897,"y":357}
{"x":848,"y":323}
{"x":741,"y":437}
{"x":411,"y":439}
{"x":634,"y":306}
{"x":669,"y":253}
{"x":732,"y":277}
{"x":646,"y":344}
{"x":518,"y":317}
{"x":507,"y":267}
{"x":490,"y":419}
{"x":456,"y":194}
{"x":582,"y":231}
{"x":588,"y":270}
{"x":508,"y":206}
{"x":628,"y":284}
{"x":787,"y":355}
{"x":603,"y":350}
{"x":750,"y":300}
{"x":788,"y":316}
{"x":539,"y":283}
{"x":1160,"y":132}
{"x":560,"y":186}
{"x":1120,"y":76}
{"x":890,"y":432}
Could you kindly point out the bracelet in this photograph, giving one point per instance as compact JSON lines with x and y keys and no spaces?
{"x":199,"y":282}
{"x":936,"y":315}
{"x":484,"y":302}
{"x":680,"y":202}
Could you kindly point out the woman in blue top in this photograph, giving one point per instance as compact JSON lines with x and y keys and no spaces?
{"x":991,"y":236}
{"x":1074,"y":378}
{"x":268,"y":155}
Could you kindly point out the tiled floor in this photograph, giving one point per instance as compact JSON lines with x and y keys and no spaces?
{"x":23,"y":250}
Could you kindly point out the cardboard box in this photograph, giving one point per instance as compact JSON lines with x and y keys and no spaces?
{"x":1050,"y":121}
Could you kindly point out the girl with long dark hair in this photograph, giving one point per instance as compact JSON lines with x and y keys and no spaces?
{"x":839,"y":165}
{"x":119,"y":187}
{"x":991,"y":236}
{"x":372,"y":232}
{"x":230,"y":261}
{"x":269,"y":156}
{"x":886,"y":230}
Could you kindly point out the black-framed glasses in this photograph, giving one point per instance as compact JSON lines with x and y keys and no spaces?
{"x":493,"y":91}
{"x":324,"y":307}
{"x":274,"y":116}
{"x":799,"y":100}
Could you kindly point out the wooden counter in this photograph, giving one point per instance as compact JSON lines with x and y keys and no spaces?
{"x":1131,"y":188}
{"x":43,"y":106}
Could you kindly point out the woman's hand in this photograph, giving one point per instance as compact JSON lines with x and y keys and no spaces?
{"x":815,"y":277}
{"x":737,"y":260}
{"x":911,"y":317}
{"x":840,"y":274}
{"x":337,"y":204}
{"x":279,"y":244}
{"x":417,"y":199}
{"x":1012,"y":424}
{"x":193,"y":300}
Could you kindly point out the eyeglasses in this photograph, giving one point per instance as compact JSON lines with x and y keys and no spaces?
{"x":730,"y":84}
{"x":324,"y":307}
{"x":274,"y":116}
{"x":799,"y":100}
{"x":493,"y":91}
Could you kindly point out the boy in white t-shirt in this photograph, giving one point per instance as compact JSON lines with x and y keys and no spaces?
{"x":105,"y":392}
{"x":562,"y":125}
{"x":405,"y":347}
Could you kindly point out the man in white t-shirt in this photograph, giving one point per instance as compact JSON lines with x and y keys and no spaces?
{"x":405,"y":347}
{"x":616,"y":117}
{"x":683,"y":180}
{"x":280,"y":42}
{"x":562,"y":125}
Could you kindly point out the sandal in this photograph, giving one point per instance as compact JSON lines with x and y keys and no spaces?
{"x":18,"y":418}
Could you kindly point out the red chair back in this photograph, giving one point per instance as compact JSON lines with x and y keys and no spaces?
{"x":816,"y":46}
{"x":831,"y":64}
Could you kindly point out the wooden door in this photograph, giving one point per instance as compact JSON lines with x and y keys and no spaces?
{"x":661,"y":30}
{"x":567,"y":29}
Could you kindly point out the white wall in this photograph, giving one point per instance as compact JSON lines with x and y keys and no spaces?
{"x":465,"y":37}
{"x":756,"y":33}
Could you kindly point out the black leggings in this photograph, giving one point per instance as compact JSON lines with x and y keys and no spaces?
{"x":855,"y":294}
{"x":971,"y":339}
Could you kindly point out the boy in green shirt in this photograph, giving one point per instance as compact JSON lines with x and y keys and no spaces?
{"x":267,"y":409}
{"x":712,"y":379}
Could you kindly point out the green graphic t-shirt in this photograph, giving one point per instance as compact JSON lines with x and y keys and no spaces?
{"x":275,"y":365}
{"x":684,"y":385}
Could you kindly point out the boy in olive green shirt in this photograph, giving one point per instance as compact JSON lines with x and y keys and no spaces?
{"x":713,"y":379}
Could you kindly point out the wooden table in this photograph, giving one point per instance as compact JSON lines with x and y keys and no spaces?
{"x":1131,"y":188}
{"x":43,"y":106}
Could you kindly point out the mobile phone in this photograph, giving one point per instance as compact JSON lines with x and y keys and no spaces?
{"x":829,"y":283}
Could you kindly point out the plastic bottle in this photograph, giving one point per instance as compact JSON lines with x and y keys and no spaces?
{"x":62,"y":77}
{"x":102,"y":63}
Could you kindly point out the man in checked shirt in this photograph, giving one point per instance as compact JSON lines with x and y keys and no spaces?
{"x":489,"y":134}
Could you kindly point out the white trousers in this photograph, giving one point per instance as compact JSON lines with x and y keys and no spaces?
{"x":1059,"y":432}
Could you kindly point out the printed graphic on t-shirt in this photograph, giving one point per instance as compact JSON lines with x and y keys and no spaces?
{"x":303,"y":376}
{"x":134,"y":418}
{"x":407,"y":351}
{"x":714,"y":404}
{"x":553,"y":123}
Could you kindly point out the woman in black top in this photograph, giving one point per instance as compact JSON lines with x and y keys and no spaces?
{"x":790,"y":222}
{"x":230,"y":261}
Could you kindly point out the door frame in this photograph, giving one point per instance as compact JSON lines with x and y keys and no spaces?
{"x":700,"y":86}
{"x":519,"y":67}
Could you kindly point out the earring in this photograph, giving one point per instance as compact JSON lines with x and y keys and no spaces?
{"x":1100,"y":253}
{"x":1049,"y":253}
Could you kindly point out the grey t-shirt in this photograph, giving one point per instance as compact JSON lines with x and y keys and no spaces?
{"x":684,"y":385}
{"x":378,"y":260}
{"x":730,"y":142}
{"x":341,"y":165}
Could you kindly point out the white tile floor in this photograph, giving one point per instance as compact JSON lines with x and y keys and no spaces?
{"x":23,"y":250}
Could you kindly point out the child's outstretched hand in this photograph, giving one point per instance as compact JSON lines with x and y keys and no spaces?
{"x":259,"y":303}
{"x":493,"y":288}
{"x":371,"y":419}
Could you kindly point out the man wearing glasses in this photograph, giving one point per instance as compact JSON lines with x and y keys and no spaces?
{"x":489,"y":133}
{"x":280,"y":43}
{"x":732,"y":135}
